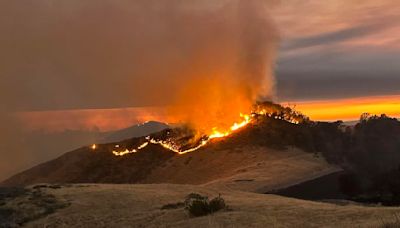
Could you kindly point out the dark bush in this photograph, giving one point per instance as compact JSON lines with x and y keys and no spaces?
{"x":199,"y":208}
{"x":216,"y":204}
{"x":198,"y":205}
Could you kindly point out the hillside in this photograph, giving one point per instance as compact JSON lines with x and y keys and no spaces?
{"x":48,"y":145}
{"x":250,"y":159}
{"x":269,"y":154}
{"x":140,"y":206}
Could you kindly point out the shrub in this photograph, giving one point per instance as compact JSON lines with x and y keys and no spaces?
{"x":198,"y":205}
{"x":216,"y":204}
{"x":199,"y":208}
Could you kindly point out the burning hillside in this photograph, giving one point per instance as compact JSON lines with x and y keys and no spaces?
{"x":143,"y":159}
{"x":185,"y":140}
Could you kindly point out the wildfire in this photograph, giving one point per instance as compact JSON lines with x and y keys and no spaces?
{"x":246,"y":119}
{"x":281,"y":114}
{"x":171,"y":147}
{"x":234,"y":127}
{"x":94,"y":147}
{"x":143,"y":145}
{"x":125,"y":152}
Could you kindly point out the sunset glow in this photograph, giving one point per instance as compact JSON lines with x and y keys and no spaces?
{"x":350,"y":109}
{"x":113,"y":119}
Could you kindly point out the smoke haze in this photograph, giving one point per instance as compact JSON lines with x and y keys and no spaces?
{"x":226,"y":64}
{"x":206,"y":59}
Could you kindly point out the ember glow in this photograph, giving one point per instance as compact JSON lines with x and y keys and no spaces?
{"x":170,"y":145}
{"x":246,"y":119}
{"x":218,"y":134}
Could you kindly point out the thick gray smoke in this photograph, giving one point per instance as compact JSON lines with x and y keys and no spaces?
{"x":206,"y":58}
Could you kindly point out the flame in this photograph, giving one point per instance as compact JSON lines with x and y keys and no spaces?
{"x":125,"y":152}
{"x":143,"y":145}
{"x":94,"y":147}
{"x":236,"y":126}
{"x":215,"y":133}
{"x":173,"y":148}
{"x":246,"y":119}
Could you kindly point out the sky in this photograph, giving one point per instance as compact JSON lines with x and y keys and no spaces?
{"x":338,"y":49}
{"x":61,"y":55}
{"x":84,"y":65}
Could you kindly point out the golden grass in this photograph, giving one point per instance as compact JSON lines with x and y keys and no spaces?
{"x":139,"y":206}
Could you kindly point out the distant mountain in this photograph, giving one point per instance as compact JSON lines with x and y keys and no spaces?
{"x":49,"y":145}
{"x":134,"y":131}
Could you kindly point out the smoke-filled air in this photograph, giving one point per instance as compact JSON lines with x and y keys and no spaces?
{"x":207,"y":62}
{"x":220,"y":63}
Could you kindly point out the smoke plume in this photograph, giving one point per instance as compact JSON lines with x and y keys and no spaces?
{"x":209,"y":60}
{"x":220,"y":62}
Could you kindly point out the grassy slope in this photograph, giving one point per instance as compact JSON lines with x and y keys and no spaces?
{"x":139,"y":206}
{"x":241,"y":161}
{"x":247,"y":168}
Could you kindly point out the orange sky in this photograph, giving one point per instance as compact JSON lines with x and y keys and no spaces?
{"x":114,"y":119}
{"x":350,"y":109}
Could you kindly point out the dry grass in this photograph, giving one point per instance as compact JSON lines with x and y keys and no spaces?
{"x":391,"y":223}
{"x":139,"y":206}
{"x":246,"y":168}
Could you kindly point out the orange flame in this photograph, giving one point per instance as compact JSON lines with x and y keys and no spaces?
{"x":246,"y":119}
{"x":216,"y":132}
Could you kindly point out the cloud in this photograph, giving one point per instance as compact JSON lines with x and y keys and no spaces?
{"x":332,"y":37}
{"x":319,"y":85}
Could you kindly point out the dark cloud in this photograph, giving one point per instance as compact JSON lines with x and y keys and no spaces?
{"x":338,"y":73}
{"x":322,"y":85}
{"x":332,"y":37}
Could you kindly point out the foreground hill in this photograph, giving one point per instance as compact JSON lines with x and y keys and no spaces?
{"x":259,"y":158}
{"x":140,"y":206}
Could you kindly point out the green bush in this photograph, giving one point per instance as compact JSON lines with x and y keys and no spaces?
{"x":198,"y":205}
